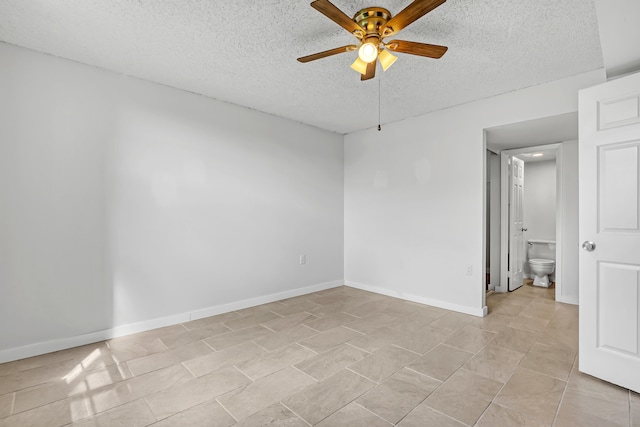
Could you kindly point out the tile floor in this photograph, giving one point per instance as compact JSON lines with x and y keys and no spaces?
{"x":341,"y":357}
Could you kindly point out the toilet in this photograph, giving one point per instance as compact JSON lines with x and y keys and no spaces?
{"x":541,"y":256}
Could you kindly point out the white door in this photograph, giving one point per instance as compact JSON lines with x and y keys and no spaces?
{"x":610,"y":229}
{"x":516,"y":224}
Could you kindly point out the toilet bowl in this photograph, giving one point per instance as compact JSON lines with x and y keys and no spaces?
{"x":541,"y":268}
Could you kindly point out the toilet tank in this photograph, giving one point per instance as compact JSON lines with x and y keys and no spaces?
{"x":539,"y":248}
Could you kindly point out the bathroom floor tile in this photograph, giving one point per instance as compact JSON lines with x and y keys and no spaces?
{"x":549,"y":360}
{"x":327,"y":340}
{"x":134,"y":414}
{"x":470,"y":339}
{"x":383,"y":363}
{"x":186,"y":395}
{"x":441,"y":362}
{"x":68,"y":386}
{"x":532,"y":394}
{"x":243,"y":336}
{"x":596,"y":387}
{"x":529,"y":323}
{"x":275,"y":415}
{"x":423,"y":416}
{"x":494,"y":323}
{"x":288,"y":322}
{"x":58,"y":413}
{"x":398,"y":395}
{"x":507,"y":309}
{"x":126,"y":391}
{"x":497,"y":415}
{"x":516,"y":339}
{"x":32,"y":377}
{"x":353,"y":415}
{"x":583,"y":409}
{"x":326,"y":323}
{"x":285,"y":337}
{"x":371,"y":323}
{"x":6,"y":403}
{"x":215,"y":361}
{"x":212,"y":321}
{"x":293,"y":307}
{"x":166,"y":358}
{"x":422,"y":340}
{"x":318,"y":401}
{"x":268,"y":363}
{"x":364,"y":310}
{"x":464,"y":396}
{"x":452,"y":322}
{"x":187,"y":337}
{"x":209,"y":414}
{"x":123,"y":352}
{"x":146,"y":336}
{"x":331,"y":361}
{"x":264,"y":392}
{"x":251,"y":320}
{"x":376,"y":340}
{"x":494,"y":362}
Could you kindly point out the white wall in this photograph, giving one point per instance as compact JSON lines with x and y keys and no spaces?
{"x":539,"y":200}
{"x":568,"y":250}
{"x":128,"y":205}
{"x":414,"y":196}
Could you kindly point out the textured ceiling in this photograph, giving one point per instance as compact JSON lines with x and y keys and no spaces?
{"x":245,"y":51}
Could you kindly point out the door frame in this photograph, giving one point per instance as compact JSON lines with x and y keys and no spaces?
{"x":504,"y":211}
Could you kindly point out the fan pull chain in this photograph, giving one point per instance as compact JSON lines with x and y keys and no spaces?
{"x":379,"y":96}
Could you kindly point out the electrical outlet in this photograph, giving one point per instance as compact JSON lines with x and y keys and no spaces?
{"x":303,"y":259}
{"x":469,"y":270}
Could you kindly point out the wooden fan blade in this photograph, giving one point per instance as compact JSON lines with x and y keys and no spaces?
{"x":330,"y":52}
{"x":371,"y":71}
{"x":339,"y":17}
{"x":415,"y":48}
{"x":414,"y":11}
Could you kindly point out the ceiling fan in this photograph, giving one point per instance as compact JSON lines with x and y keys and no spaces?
{"x":370,"y":26}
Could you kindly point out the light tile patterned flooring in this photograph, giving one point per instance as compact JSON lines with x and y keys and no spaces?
{"x":341,"y":357}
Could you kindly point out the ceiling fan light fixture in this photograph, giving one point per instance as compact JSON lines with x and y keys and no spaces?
{"x":368,"y":51}
{"x":359,"y":65}
{"x":386,"y":59}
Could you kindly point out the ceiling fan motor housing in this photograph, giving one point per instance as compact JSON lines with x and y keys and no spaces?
{"x":371,"y":20}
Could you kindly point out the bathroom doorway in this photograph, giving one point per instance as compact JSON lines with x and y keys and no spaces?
{"x":556,"y":139}
{"x":528,"y":201}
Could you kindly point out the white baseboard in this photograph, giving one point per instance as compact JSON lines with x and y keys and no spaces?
{"x":480,"y":312}
{"x":573,"y":301}
{"x":252,"y":302}
{"x":44,"y":347}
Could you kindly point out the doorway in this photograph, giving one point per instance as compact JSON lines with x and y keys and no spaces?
{"x":529,"y":211}
{"x":556,"y":135}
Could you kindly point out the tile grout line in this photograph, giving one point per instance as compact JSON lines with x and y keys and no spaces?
{"x":368,"y":410}
{"x":225,"y":409}
{"x":13,"y":403}
{"x":294,"y":413}
{"x":564,"y":392}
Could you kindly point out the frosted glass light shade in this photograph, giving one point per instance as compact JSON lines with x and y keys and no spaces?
{"x":386,"y":59}
{"x":359,"y":65}
{"x":368,"y":52}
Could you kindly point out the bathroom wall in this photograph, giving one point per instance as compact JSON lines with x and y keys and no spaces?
{"x":126,"y":205}
{"x":539,"y":202}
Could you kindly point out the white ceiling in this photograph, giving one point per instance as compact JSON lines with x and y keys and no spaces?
{"x":245,"y":51}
